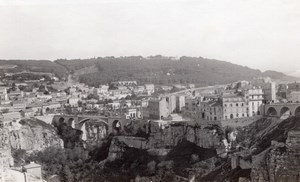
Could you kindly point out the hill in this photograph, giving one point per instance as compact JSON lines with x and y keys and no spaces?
{"x":153,"y":69}
{"x":164,"y":70}
{"x":44,"y":66}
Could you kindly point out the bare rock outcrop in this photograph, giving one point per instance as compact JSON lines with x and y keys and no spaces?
{"x":281,"y":162}
{"x":34,"y":135}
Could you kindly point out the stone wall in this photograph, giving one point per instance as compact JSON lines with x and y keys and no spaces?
{"x":281,"y":162}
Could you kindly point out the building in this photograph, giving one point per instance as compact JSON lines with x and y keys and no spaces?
{"x":213,"y":110}
{"x":150,"y":88}
{"x":124,"y":83}
{"x":34,"y":169}
{"x":294,"y":86}
{"x":268,"y":87}
{"x":139,"y":90}
{"x":27,"y":113}
{"x":3,"y":94}
{"x":180,"y":103}
{"x":191,"y":107}
{"x":132,"y":113}
{"x":255,"y":100}
{"x":158,"y":108}
{"x":294,"y":96}
{"x":102,"y":90}
{"x":73,"y":101}
{"x":234,"y":106}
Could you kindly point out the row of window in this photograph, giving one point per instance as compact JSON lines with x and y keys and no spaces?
{"x":237,"y":104}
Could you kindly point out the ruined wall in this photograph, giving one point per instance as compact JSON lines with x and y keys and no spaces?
{"x":281,"y":162}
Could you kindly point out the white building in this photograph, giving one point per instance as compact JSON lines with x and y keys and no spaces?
{"x":255,"y":101}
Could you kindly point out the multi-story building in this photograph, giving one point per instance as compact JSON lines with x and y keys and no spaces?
{"x":294,"y":86}
{"x":102,"y":90}
{"x":268,"y":87}
{"x":180,"y":103}
{"x":158,"y":108}
{"x":234,"y":106}
{"x":191,"y":107}
{"x":3,"y":94}
{"x":213,"y":110}
{"x":294,"y":96}
{"x":255,"y":100}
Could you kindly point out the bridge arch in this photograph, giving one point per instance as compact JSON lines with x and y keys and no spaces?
{"x":297,"y":111}
{"x":71,"y":122}
{"x":285,"y":111}
{"x":272,"y":111}
{"x":116,"y":126}
{"x":61,"y":121}
{"x":85,"y":127}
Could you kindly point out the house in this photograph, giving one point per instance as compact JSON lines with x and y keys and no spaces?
{"x":73,"y":101}
{"x":27,"y":113}
{"x":34,"y":169}
{"x":12,"y":116}
{"x":51,"y":107}
{"x":158,"y":109}
{"x":18,"y":105}
{"x":150,"y":88}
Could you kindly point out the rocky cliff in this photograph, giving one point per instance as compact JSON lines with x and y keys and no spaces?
{"x":280,"y":162}
{"x":267,"y":150}
{"x":5,"y":150}
{"x":205,"y":137}
{"x":32,"y":135}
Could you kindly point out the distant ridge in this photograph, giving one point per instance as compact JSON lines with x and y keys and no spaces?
{"x":155,"y":69}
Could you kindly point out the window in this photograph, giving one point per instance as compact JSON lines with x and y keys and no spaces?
{"x":230,"y":105}
{"x":237,"y":115}
{"x":225,"y":105}
{"x":242,"y":104}
{"x":237,"y":104}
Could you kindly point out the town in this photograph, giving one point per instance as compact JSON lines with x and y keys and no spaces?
{"x":114,"y":107}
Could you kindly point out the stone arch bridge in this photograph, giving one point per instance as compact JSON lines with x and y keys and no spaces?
{"x":282,"y":110}
{"x":92,"y":127}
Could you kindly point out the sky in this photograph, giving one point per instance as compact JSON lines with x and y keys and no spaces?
{"x":261,"y":34}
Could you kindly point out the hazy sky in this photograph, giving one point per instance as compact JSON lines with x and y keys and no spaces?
{"x":262,"y":34}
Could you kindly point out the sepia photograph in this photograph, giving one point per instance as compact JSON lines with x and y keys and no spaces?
{"x":149,"y":91}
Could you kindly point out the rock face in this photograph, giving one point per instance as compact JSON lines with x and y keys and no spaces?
{"x":281,"y":162}
{"x":6,"y":158}
{"x":5,"y":149}
{"x":34,"y":135}
{"x":207,"y":137}
{"x":168,"y":138}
